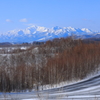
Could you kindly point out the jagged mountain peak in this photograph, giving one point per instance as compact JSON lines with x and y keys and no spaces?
{"x":86,"y":30}
{"x":39,"y":33}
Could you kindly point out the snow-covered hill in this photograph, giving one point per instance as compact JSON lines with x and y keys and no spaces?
{"x":88,"y":89}
{"x":37,"y":33}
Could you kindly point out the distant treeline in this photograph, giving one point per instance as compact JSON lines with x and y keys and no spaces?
{"x":7,"y":44}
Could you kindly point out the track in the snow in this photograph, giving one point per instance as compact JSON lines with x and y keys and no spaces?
{"x":85,"y":90}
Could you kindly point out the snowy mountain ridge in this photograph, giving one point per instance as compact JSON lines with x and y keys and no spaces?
{"x":38,"y":33}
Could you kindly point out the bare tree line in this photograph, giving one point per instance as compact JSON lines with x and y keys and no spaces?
{"x":54,"y":62}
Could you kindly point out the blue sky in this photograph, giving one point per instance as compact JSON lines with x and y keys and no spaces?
{"x":19,"y":14}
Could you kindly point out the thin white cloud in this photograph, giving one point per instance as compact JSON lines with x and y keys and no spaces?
{"x":23,"y":20}
{"x":29,"y":24}
{"x":8,"y":20}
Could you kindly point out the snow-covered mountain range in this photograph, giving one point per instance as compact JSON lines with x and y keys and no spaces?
{"x":37,"y":33}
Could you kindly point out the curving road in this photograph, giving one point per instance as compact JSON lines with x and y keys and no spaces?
{"x":88,"y":89}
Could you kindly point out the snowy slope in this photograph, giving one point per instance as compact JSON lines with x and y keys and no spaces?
{"x":37,"y":33}
{"x":88,"y":89}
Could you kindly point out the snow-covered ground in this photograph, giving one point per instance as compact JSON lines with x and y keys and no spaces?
{"x":87,"y":89}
